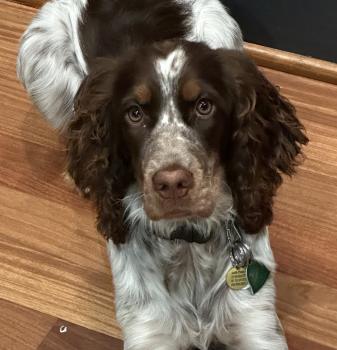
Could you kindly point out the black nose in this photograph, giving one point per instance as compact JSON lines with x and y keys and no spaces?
{"x":173,"y":183}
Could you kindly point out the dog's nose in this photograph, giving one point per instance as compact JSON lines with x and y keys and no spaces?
{"x":173,"y":183}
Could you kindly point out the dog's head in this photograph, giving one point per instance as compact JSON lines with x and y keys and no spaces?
{"x":190,"y":125}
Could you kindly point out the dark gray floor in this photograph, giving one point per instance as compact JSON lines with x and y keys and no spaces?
{"x":307,"y":27}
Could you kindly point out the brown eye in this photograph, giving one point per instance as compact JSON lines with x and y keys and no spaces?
{"x":204,"y":107}
{"x":135,"y":115}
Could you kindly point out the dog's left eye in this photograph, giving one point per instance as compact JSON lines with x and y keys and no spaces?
{"x":135,"y":115}
{"x":204,"y":107}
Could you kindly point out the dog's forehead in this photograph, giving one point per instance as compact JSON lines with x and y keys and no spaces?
{"x":169,"y":69}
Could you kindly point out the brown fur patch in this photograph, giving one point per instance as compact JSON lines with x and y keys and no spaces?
{"x":191,"y":90}
{"x":163,"y":48}
{"x":143,"y":94}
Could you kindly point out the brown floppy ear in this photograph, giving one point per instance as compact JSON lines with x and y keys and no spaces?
{"x":266,"y":140}
{"x":97,"y":161}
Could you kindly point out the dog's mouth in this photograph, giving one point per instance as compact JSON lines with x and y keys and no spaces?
{"x":174,"y":214}
{"x":178,"y":210}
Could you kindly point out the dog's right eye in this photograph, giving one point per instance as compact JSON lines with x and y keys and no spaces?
{"x":204,"y":108}
{"x":135,"y":115}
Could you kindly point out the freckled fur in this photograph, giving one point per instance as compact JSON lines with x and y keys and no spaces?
{"x":50,"y":62}
{"x":143,"y":94}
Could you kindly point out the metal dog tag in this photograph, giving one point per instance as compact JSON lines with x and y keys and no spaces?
{"x":236,"y":278}
{"x":257,"y":276}
{"x":246,"y":272}
{"x":240,"y":256}
{"x":253,"y":277}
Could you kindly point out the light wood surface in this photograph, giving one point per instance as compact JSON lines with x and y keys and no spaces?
{"x":293,"y":63}
{"x":31,"y":3}
{"x":28,"y":329}
{"x":34,"y":327}
{"x":53,"y":263}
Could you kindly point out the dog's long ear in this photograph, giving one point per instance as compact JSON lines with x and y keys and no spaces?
{"x":265,"y":141}
{"x":97,"y":160}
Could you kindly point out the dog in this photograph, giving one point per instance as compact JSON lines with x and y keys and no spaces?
{"x":181,"y":143}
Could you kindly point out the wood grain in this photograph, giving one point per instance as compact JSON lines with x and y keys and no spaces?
{"x":22,"y":328}
{"x":56,"y":263}
{"x":53,"y":262}
{"x":31,"y":3}
{"x":308,"y":311}
{"x":75,"y":337}
{"x":293,"y":63}
{"x":27,"y":329}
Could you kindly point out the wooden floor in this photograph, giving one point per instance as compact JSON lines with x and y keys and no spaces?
{"x":54,"y":273}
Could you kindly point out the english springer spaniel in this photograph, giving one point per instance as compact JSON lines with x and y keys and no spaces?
{"x":180,"y":141}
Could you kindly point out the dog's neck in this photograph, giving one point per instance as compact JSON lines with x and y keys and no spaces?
{"x":189,"y":230}
{"x":190,"y":235}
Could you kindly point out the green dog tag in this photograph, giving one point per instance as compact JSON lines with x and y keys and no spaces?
{"x":257,"y":275}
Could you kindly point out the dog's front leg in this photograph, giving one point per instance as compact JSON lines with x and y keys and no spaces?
{"x":148,"y":317}
{"x":257,"y":330}
{"x":143,"y":329}
{"x":252,"y":322}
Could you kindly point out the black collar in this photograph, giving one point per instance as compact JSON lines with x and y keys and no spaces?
{"x":189,"y":235}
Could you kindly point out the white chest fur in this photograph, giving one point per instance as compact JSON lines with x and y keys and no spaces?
{"x":178,"y":290}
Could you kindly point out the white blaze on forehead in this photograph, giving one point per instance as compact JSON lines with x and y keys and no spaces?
{"x":169,"y":71}
{"x":169,"y":68}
